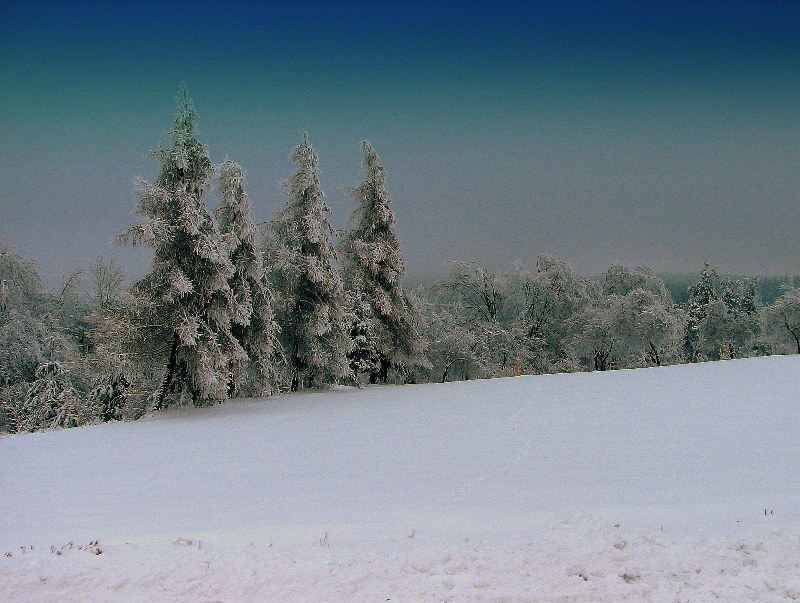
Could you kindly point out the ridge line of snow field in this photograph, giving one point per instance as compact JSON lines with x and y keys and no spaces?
{"x":646,"y":484}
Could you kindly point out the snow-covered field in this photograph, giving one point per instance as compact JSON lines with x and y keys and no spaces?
{"x":634,"y":485}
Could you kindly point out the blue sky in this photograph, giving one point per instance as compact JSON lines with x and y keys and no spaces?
{"x":644,"y":133}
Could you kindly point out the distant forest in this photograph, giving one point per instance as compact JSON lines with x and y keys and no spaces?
{"x":768,"y":288}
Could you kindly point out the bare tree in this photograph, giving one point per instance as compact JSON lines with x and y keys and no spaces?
{"x":482,"y":293}
{"x":107,"y":280}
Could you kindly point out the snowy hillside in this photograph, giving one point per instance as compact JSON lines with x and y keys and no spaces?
{"x":629,"y":485}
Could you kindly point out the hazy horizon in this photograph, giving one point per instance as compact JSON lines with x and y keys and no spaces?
{"x":663,"y":134}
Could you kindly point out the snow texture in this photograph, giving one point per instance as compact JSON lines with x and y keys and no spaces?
{"x":648,"y":484}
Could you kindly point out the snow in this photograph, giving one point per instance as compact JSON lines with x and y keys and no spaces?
{"x":648,"y":484}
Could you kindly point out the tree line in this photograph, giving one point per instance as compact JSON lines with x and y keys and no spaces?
{"x":231,"y":309}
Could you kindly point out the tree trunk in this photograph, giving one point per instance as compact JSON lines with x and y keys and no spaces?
{"x":385,"y":365}
{"x":793,"y":334}
{"x":169,"y":374}
{"x":655,"y":353}
{"x":601,"y":360}
{"x":295,"y":364}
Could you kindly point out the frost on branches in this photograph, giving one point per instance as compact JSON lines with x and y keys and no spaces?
{"x":722,"y":325}
{"x":551,"y":297}
{"x":701,"y":295}
{"x":640,"y":328}
{"x":488,"y":304}
{"x":782,"y":321}
{"x":252,"y":318}
{"x":314,"y":327}
{"x":182,"y":308}
{"x":53,"y":401}
{"x":373,"y":269}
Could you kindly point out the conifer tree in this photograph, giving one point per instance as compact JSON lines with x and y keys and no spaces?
{"x":373,"y":267}
{"x":701,"y":295}
{"x":732,"y":322}
{"x":54,"y":401}
{"x":314,"y":329}
{"x":364,"y":357}
{"x":182,"y":306}
{"x":252,"y":317}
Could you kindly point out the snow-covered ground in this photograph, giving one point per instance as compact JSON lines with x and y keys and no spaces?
{"x":633,"y":485}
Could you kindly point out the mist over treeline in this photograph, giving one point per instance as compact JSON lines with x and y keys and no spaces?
{"x":769,"y":288}
{"x":232,"y":308}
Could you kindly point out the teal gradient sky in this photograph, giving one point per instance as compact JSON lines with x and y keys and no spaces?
{"x":643,"y":133}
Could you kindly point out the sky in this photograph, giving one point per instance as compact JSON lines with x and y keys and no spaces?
{"x":664,"y":134}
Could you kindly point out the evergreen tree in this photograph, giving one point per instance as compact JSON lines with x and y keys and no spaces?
{"x":109,"y":396}
{"x":313,"y":320}
{"x":54,"y":401}
{"x":701,"y":295}
{"x":182,"y":307}
{"x":740,"y":296}
{"x":374,"y":268}
{"x":732,"y":322}
{"x":364,"y":358}
{"x":252,"y":315}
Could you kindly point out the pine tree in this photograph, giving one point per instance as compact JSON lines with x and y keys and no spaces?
{"x":252,"y":316}
{"x":739,"y":296}
{"x":182,"y":307}
{"x":314,"y":329}
{"x":54,"y":401}
{"x":701,"y":295}
{"x":373,"y":268}
{"x":733,"y":323}
{"x":363,"y":358}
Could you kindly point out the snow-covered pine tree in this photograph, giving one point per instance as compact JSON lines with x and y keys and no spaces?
{"x":252,"y":316}
{"x":701,"y":295}
{"x":54,"y":401}
{"x":373,"y":268}
{"x":182,"y":306}
{"x":364,"y":358}
{"x":732,"y":323}
{"x":312,"y":316}
{"x":740,"y":296}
